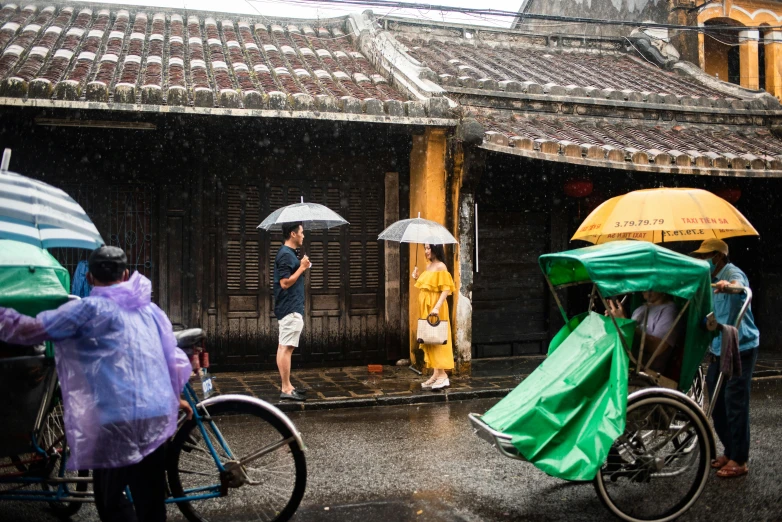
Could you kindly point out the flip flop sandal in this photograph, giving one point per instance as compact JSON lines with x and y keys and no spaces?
{"x":720,"y":462}
{"x":733,"y":471}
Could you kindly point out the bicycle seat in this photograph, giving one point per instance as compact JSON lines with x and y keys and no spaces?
{"x":189,"y":337}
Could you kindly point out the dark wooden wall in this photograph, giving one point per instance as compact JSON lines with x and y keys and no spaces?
{"x":524,"y":213}
{"x":185,"y":200}
{"x":518,"y":220}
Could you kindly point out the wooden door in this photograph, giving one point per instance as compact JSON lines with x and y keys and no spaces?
{"x":510,"y":301}
{"x":343,"y":320}
{"x":241,"y":311}
{"x":364,"y":338}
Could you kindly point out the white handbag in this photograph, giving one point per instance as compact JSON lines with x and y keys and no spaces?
{"x":432,"y":330}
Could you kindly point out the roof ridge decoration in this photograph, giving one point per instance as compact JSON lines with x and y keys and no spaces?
{"x":116,"y":55}
{"x":494,"y":63}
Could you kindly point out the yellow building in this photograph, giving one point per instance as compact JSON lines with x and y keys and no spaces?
{"x":750,"y":58}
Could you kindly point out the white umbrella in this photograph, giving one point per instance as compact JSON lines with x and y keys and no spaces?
{"x":311,"y":215}
{"x":417,"y":230}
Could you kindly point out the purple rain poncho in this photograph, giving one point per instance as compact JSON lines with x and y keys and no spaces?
{"x":120,"y":371}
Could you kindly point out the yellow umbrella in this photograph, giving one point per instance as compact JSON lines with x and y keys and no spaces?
{"x":664,"y":215}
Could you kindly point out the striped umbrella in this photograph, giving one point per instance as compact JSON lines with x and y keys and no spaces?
{"x":38,"y":214}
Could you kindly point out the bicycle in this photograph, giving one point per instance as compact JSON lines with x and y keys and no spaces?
{"x":237,"y":458}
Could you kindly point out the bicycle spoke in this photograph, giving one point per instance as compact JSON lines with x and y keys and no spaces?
{"x":268,"y":487}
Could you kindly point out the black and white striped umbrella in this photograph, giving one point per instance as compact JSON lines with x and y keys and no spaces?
{"x":36,"y":213}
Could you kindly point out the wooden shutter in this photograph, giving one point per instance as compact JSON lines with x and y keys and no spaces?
{"x":365,"y":216}
{"x":243,"y":248}
{"x":365,"y":213}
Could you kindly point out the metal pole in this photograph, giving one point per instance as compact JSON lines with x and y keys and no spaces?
{"x":476,"y":239}
{"x":556,"y":299}
{"x":592,"y":297}
{"x":643,"y":342}
{"x":713,"y":398}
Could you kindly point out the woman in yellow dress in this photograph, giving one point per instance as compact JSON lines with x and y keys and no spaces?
{"x":434,"y":285}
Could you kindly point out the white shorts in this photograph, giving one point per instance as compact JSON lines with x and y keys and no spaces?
{"x":290,"y":329}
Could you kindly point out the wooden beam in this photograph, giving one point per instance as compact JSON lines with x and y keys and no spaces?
{"x":393,"y":308}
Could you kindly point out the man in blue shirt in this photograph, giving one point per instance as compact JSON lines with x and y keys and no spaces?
{"x":731,"y":411}
{"x":289,"y":304}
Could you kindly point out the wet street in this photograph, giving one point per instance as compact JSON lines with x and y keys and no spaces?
{"x":422,"y":462}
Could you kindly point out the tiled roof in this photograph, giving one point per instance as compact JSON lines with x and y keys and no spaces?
{"x":675,"y":145}
{"x":498,"y":65}
{"x":72,"y":53}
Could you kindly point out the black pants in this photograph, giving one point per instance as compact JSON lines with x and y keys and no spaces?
{"x":147,"y":483}
{"x":731,"y":411}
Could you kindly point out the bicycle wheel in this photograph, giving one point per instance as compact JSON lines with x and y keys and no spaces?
{"x":54,"y":443}
{"x":269,"y":488}
{"x":658,"y":467}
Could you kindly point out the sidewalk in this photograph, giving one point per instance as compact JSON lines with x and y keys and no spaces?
{"x":354,"y":386}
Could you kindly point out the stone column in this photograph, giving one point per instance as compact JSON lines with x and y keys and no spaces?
{"x":467,"y":175}
{"x":468,"y":166}
{"x":427,"y":196}
{"x":748,"y":59}
{"x":773,"y":41}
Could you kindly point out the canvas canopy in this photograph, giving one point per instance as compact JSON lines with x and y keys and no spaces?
{"x":31,"y":279}
{"x":623,"y":267}
{"x":564,"y":417}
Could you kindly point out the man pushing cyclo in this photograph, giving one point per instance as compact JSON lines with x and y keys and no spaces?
{"x":121,"y":376}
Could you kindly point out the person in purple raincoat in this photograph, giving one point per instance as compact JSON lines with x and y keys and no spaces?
{"x":121,"y":376}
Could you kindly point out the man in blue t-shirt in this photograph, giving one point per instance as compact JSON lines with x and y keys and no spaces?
{"x":731,"y":411}
{"x":289,"y":303}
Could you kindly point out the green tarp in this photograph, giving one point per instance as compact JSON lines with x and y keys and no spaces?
{"x":564,"y":417}
{"x":622,"y":267}
{"x":31,"y":280}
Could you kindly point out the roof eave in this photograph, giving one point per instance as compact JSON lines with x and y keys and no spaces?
{"x":219,"y":111}
{"x":631,"y":166}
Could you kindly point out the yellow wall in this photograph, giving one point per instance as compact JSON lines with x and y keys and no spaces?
{"x":749,"y":13}
{"x":427,"y":196}
{"x":716,"y":58}
{"x":748,"y":61}
{"x":774,"y":68}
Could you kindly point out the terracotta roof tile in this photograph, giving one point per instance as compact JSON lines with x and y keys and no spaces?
{"x":719,"y":146}
{"x":67,"y":53}
{"x":484,"y":65}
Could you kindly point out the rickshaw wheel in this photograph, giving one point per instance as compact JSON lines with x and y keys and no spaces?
{"x":658,"y":467}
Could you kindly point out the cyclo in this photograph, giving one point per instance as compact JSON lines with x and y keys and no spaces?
{"x":238,"y":458}
{"x":595,"y":410}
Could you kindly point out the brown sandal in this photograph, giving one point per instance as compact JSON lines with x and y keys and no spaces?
{"x":720,"y":462}
{"x":733,"y":471}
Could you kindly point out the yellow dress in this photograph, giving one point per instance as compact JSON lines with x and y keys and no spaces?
{"x":430,"y":285}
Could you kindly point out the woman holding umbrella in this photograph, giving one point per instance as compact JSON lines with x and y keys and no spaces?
{"x":435,"y":284}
